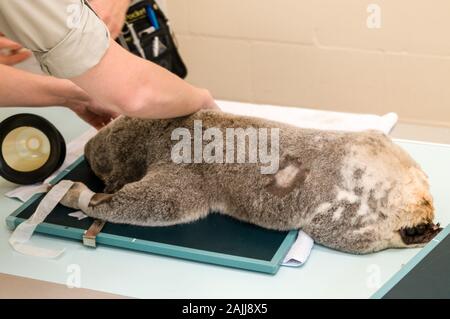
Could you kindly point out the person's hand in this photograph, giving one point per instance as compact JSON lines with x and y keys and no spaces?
{"x":85,"y":107}
{"x":112,"y":12}
{"x":11,"y":52}
{"x":210,"y":103}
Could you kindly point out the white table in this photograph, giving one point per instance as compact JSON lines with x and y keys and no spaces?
{"x":327,"y":274}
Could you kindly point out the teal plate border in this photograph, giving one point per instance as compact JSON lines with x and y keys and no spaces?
{"x":270,"y":267}
{"x":411,"y":264}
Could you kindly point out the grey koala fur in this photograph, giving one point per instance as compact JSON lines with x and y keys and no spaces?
{"x":355,"y":192}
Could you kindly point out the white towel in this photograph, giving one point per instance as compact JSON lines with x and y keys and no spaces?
{"x":309,"y":118}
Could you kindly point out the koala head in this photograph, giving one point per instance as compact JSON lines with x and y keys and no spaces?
{"x":379,"y":198}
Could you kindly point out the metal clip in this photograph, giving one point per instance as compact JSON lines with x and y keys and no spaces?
{"x":90,"y":235}
{"x":89,"y":241}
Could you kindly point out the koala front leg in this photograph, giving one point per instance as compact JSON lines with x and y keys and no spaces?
{"x":72,"y":197}
{"x":167,"y":195}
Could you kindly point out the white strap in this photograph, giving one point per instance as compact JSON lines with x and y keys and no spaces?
{"x":22,"y":234}
{"x":85,"y":199}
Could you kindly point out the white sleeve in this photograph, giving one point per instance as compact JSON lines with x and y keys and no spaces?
{"x":66,"y":36}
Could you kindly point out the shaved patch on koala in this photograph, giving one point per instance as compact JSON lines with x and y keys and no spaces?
{"x":344,"y":195}
{"x":322,"y":208}
{"x":286,"y":176}
{"x":337,"y":214}
{"x":291,"y":176}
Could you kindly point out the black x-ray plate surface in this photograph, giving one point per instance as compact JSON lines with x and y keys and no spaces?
{"x":217,"y":239}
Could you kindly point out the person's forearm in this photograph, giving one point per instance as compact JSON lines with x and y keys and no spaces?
{"x":20,"y":88}
{"x":140,"y":88}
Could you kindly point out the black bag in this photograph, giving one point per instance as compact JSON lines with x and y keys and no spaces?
{"x":147,"y":34}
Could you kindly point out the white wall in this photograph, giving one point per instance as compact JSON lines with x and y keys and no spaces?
{"x":321,"y":53}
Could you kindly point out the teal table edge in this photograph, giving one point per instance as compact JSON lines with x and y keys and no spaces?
{"x":411,"y":264}
{"x":270,"y":267}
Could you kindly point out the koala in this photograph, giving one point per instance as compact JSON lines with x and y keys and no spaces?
{"x":356,"y":192}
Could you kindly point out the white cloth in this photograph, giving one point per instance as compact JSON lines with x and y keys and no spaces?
{"x":310,"y":118}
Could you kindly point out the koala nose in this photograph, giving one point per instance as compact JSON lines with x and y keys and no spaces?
{"x":420,"y":234}
{"x":417,"y":230}
{"x":420,"y":229}
{"x":410,"y":231}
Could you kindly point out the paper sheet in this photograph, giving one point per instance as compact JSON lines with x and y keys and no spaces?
{"x":300,"y":250}
{"x":78,"y":215}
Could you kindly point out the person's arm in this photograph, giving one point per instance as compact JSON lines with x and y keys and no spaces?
{"x":20,"y":88}
{"x":112,"y":13}
{"x":11,"y":52}
{"x":140,"y":88}
{"x":169,"y":88}
{"x":70,"y":41}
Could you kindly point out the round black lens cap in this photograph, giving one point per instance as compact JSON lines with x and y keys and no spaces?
{"x":31,"y":149}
